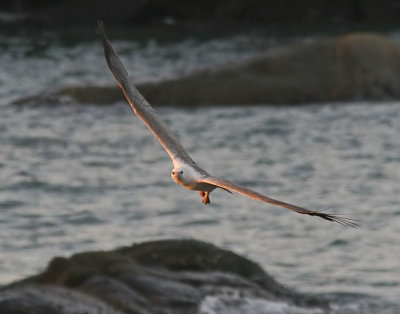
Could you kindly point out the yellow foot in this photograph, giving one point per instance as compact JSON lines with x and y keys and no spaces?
{"x":206,"y":198}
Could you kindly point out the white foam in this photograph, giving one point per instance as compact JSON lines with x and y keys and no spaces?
{"x":235,"y":304}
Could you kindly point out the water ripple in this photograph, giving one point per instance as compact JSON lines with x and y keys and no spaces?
{"x":76,"y":178}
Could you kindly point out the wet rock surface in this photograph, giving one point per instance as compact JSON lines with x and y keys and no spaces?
{"x":169,"y":276}
{"x":353,"y":67}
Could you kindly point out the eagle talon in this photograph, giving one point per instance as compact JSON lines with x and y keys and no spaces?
{"x":206,"y":198}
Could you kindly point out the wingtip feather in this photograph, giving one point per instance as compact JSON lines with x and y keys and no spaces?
{"x":344,"y":221}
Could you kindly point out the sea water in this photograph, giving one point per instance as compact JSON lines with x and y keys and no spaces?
{"x":77,"y":177}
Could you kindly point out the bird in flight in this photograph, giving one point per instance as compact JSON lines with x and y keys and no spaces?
{"x":186,"y":172}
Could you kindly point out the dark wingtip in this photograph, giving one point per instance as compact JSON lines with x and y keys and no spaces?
{"x":114,"y":63}
{"x":101,"y":31}
{"x":100,"y":26}
{"x":348,"y":222}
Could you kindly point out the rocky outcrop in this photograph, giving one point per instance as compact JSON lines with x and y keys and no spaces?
{"x":348,"y":68}
{"x":170,"y":276}
{"x":76,"y":13}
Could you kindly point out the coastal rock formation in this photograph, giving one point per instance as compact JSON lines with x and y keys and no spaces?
{"x":169,"y":276}
{"x":347,"y":68}
{"x":353,"y":67}
{"x":191,"y":13}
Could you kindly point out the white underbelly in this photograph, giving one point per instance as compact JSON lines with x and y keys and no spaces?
{"x":199,"y":186}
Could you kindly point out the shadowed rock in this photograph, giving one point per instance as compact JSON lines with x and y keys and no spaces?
{"x":190,"y":13}
{"x":348,"y":68}
{"x":170,"y":276}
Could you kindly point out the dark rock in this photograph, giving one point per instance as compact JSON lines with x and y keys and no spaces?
{"x":45,"y":299}
{"x":170,"y":276}
{"x":348,"y":68}
{"x":116,"y":293}
{"x":81,"y":94}
{"x":76,"y":13}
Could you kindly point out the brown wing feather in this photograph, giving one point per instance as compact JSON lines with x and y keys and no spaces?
{"x":227,"y":185}
{"x":140,"y":105}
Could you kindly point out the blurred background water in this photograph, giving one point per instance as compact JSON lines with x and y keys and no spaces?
{"x":79,"y":177}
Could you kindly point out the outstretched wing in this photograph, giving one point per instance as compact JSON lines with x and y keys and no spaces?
{"x":140,"y":105}
{"x":175,"y":149}
{"x":227,"y":185}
